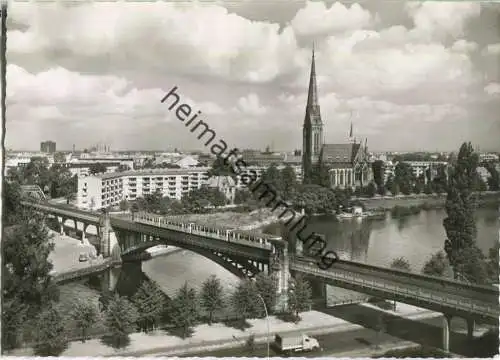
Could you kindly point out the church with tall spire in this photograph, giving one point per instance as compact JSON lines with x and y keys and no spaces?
{"x":347,"y":163}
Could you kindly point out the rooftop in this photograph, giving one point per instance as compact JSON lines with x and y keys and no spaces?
{"x":340,"y":153}
{"x":153,"y":172}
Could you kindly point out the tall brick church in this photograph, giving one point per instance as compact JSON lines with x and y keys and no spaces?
{"x":347,"y":163}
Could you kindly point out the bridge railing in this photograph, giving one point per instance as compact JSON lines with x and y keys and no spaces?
{"x":206,"y":231}
{"x":58,"y":210}
{"x":451,"y":300}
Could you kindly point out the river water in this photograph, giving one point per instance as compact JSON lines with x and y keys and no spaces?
{"x":375,"y":242}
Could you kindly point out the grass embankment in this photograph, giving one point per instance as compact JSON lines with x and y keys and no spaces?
{"x":233,"y":220}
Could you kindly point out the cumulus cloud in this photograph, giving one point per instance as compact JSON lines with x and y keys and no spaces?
{"x":104,"y":67}
{"x":164,"y":36}
{"x":317,"y":19}
{"x":492,"y":49}
{"x":251,"y":105}
{"x":492,"y":89}
{"x":66,"y":100}
{"x":442,"y":18}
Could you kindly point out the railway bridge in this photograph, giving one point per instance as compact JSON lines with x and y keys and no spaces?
{"x":246,"y":253}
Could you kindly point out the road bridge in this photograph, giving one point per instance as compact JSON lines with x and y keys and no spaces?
{"x":246,"y":254}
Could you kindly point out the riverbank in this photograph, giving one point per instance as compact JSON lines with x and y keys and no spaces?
{"x":486,"y":198}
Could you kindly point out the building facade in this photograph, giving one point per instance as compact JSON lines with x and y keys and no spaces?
{"x":101,"y":191}
{"x":48,"y":147}
{"x":347,"y":163}
{"x":225,"y":184}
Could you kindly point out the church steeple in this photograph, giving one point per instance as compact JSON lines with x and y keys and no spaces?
{"x":312,"y":93}
{"x":313,"y":126}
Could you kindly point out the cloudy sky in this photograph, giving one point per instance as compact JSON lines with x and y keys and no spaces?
{"x":411,"y":76}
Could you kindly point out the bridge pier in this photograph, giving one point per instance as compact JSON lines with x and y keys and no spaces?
{"x":61,"y":222}
{"x":107,"y":238}
{"x":279,"y":267}
{"x":446,"y":332}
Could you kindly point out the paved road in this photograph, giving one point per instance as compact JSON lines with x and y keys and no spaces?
{"x":399,"y":330}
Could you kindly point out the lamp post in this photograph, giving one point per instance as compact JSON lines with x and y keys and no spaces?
{"x":267,"y":319}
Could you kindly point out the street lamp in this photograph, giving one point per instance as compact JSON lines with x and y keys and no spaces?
{"x":267,"y":319}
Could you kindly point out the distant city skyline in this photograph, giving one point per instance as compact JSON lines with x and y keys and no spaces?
{"x":410,"y":76}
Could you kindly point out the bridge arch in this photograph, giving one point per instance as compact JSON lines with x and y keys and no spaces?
{"x":242,"y":268}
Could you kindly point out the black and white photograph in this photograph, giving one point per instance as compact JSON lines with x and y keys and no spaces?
{"x":250,"y":178}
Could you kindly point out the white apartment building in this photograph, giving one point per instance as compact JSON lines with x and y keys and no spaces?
{"x":418,"y":167}
{"x":488,"y":157}
{"x":101,"y":191}
{"x":20,"y":159}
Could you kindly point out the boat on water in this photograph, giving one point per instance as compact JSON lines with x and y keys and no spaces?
{"x":358,"y":213}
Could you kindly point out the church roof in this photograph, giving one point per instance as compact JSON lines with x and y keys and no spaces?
{"x":339,"y":153}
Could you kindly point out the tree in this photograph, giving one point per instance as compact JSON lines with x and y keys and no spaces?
{"x":50,"y":334}
{"x":97,"y":168}
{"x":440,"y":181}
{"x":320,"y":175}
{"x":211,"y":296}
{"x":403,"y":176}
{"x":241,"y":196}
{"x":378,"y":173}
{"x":471,"y":265}
{"x":184,"y":310}
{"x":120,"y":316}
{"x":494,"y":179}
{"x":401,"y":264}
{"x":124,"y":205}
{"x":371,"y":189}
{"x":105,"y":299}
{"x":14,"y":316}
{"x":245,"y":301}
{"x":12,"y":208}
{"x":267,"y":287}
{"x":250,"y":344}
{"x":85,"y":315}
{"x":436,"y":265}
{"x":492,"y":263}
{"x":381,"y":190}
{"x":272,"y":176}
{"x":26,"y":267}
{"x":299,"y":295}
{"x":149,"y":301}
{"x":221,"y":167}
{"x":460,"y":224}
{"x":288,"y":181}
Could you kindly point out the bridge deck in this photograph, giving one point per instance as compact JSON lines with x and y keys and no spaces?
{"x":419,"y":290}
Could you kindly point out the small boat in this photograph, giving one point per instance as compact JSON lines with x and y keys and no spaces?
{"x":357,"y":213}
{"x":345,"y":216}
